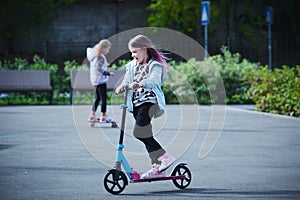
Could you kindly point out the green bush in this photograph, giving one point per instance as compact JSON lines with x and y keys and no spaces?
{"x":277,"y":91}
{"x":41,"y":64}
{"x":68,"y":67}
{"x":234,"y":72}
{"x":188,"y":82}
{"x":25,"y":98}
{"x":191,"y":82}
{"x":208,"y":78}
{"x":17,"y":64}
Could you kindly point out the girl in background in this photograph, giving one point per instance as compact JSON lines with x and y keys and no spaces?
{"x":99,"y":76}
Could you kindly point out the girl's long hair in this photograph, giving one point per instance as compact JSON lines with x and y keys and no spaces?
{"x":101,"y":45}
{"x":141,"y":41}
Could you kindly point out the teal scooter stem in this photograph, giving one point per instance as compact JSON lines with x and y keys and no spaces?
{"x":120,"y":158}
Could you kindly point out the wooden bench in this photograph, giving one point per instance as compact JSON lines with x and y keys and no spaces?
{"x":26,"y":81}
{"x":80,"y":81}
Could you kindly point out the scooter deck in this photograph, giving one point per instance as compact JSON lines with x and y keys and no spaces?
{"x":98,"y":120}
{"x":107,"y":121}
{"x":157,"y":179}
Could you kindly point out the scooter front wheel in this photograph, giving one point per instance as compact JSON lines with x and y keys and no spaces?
{"x":115,"y":181}
{"x":181,"y":169}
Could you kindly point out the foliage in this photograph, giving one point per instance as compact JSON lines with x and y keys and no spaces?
{"x":237,"y":18}
{"x":196,"y":82}
{"x":191,"y":82}
{"x":69,"y":66}
{"x":17,"y":64}
{"x":233,"y":70}
{"x":25,"y":98}
{"x":120,"y":64}
{"x":241,"y":25}
{"x":277,"y":91}
{"x":180,"y":15}
{"x":41,"y":64}
{"x":228,"y":18}
{"x":73,"y":65}
{"x":208,"y":78}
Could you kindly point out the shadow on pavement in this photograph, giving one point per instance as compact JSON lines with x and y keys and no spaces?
{"x":215,"y":192}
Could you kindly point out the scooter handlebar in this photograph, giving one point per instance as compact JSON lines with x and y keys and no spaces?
{"x":122,"y":89}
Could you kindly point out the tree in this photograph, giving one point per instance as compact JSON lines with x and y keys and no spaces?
{"x":229,"y":17}
{"x":240,"y":25}
{"x":180,"y":15}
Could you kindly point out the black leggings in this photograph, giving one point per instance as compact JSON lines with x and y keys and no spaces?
{"x":100,"y":96}
{"x":143,"y":130}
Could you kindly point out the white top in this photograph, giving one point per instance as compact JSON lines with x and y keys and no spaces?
{"x":98,"y":67}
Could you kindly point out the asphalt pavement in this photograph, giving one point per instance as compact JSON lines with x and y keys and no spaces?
{"x":233,"y":152}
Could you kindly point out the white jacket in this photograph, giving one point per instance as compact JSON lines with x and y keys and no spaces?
{"x":98,"y":67}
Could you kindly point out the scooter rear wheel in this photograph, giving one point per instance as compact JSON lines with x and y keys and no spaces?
{"x":115,"y":181}
{"x":182,"y":170}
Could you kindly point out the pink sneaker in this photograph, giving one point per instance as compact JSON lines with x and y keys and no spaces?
{"x":154,"y":172}
{"x":92,"y":118}
{"x":103,"y":118}
{"x":166,"y":161}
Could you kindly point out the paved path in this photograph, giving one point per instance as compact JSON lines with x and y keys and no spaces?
{"x":49,"y":152}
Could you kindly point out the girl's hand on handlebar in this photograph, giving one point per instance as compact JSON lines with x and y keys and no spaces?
{"x":119,"y":90}
{"x":135,"y":85}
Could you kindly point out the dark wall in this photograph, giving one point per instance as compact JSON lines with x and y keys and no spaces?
{"x":77,"y":26}
{"x":86,"y":22}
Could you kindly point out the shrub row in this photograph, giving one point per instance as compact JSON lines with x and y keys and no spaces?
{"x":224,"y":78}
{"x":218,"y":79}
{"x":277,"y":91}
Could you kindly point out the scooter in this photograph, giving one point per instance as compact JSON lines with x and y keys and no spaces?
{"x":115,"y":180}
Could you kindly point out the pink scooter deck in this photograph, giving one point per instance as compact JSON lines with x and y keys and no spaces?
{"x":157,"y":179}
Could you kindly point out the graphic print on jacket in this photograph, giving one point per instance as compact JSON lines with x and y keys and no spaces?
{"x":142,"y":95}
